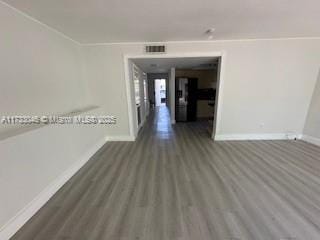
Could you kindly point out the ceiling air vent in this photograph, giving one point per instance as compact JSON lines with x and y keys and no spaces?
{"x":155,"y":49}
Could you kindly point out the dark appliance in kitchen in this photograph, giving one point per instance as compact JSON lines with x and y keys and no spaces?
{"x":186,"y":99}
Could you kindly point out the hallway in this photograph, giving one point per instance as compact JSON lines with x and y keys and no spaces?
{"x":174,"y":182}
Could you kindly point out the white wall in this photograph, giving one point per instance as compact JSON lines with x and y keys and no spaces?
{"x":39,"y":68}
{"x":106,"y":83}
{"x":267,"y":85}
{"x":172,"y":98}
{"x":40,"y":73}
{"x":312,"y":126}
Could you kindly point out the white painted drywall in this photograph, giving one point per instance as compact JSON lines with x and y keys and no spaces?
{"x":312,"y":126}
{"x":267,"y":85}
{"x":39,"y":68}
{"x":40,"y":73}
{"x":106,"y":81}
{"x":172,"y":80}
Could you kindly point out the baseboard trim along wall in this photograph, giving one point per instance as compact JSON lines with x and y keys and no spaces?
{"x":120,"y":138}
{"x":272,"y":136}
{"x":313,"y":140}
{"x":11,"y":227}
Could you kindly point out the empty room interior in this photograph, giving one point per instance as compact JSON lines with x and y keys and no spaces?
{"x":159,"y":120}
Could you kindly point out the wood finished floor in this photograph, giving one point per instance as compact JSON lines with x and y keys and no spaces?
{"x":178,"y":184}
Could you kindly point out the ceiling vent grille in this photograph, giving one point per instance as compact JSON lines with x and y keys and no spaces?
{"x":155,"y":49}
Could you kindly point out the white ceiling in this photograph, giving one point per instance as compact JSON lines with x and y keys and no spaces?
{"x":163,"y":65}
{"x":103,"y":21}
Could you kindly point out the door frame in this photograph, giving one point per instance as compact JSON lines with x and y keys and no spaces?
{"x":219,"y":90}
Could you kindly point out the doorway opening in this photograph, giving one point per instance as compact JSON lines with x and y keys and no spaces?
{"x":187,"y":86}
{"x":196,"y":94}
{"x":160,"y":92}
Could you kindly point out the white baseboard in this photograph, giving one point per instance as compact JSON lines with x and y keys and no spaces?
{"x":120,"y":138}
{"x":309,"y":139}
{"x":14,"y":224}
{"x":268,"y":136}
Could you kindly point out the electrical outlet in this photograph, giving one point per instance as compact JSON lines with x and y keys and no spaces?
{"x":291,"y":135}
